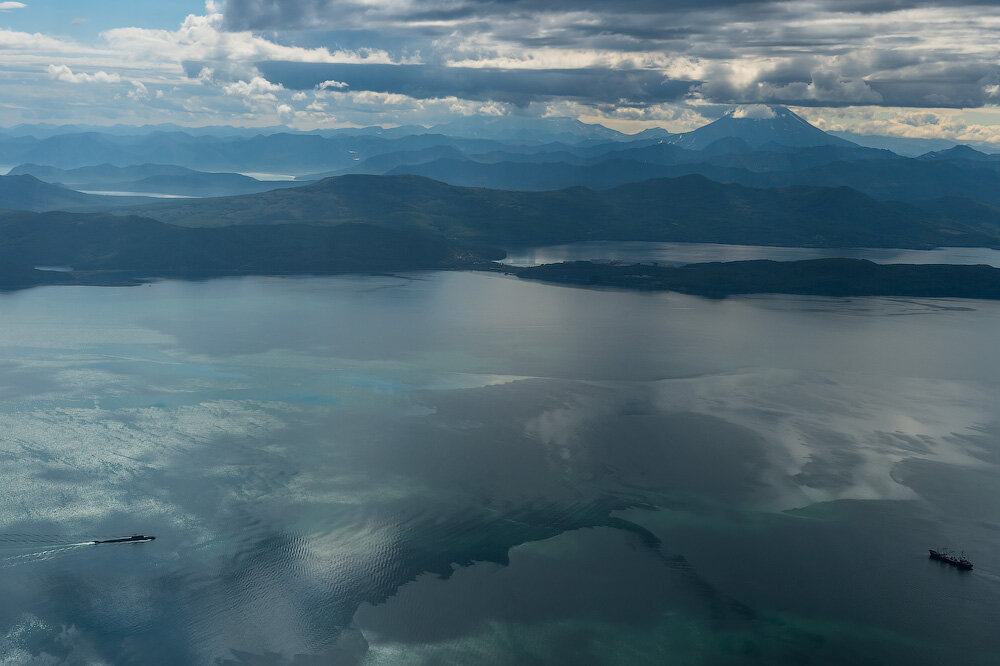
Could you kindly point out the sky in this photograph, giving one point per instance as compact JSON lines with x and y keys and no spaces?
{"x":916,"y":68}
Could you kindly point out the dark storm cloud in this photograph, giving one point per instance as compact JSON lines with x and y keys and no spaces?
{"x":883,"y":6}
{"x":806,"y":52}
{"x":518,"y":87}
{"x":294,"y":14}
{"x":630,"y":24}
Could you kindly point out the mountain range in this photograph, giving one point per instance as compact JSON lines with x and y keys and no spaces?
{"x":149,"y":178}
{"x":690,"y":208}
{"x":273,"y":153}
{"x":758,"y":175}
{"x":882,"y":175}
{"x":736,"y":148}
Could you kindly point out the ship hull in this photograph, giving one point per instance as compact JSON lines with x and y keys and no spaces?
{"x":962,"y":564}
{"x":132,"y":539}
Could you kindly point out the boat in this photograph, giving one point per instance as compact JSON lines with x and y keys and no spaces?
{"x":959,"y":561}
{"x":135,"y":538}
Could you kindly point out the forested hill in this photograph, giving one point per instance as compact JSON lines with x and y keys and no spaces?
{"x":689,"y":208}
{"x":25,"y":192}
{"x":105,"y":248}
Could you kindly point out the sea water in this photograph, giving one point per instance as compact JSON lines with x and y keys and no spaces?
{"x":469,"y":468}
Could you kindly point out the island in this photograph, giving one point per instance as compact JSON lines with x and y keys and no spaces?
{"x":815,"y":277}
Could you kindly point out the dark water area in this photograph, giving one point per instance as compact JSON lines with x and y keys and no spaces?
{"x":467,"y":468}
{"x":692,"y":253}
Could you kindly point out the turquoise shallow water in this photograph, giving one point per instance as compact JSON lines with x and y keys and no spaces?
{"x":465,"y":468}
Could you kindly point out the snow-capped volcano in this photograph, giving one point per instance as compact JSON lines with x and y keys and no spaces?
{"x":759,"y":125}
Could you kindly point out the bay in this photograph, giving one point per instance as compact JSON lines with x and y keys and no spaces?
{"x":467,"y":468}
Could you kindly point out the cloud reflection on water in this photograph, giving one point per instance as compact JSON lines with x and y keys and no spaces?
{"x":313,"y":470}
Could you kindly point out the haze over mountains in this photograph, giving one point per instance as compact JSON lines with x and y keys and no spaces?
{"x":760,"y":147}
{"x":162,"y":179}
{"x":758,"y":175}
{"x":755,"y":146}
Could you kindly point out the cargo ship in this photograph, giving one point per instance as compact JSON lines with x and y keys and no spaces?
{"x":956,"y":561}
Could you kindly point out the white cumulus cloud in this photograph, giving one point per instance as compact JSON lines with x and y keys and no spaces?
{"x":757,"y":111}
{"x":64,"y":73}
{"x":35,"y":42}
{"x":257,"y":87}
{"x":201,"y":38}
{"x":139,"y":91}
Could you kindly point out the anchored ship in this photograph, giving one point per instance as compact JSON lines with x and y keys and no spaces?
{"x":959,"y":561}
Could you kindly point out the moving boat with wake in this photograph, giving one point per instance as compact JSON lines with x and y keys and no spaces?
{"x":135,"y":538}
{"x":959,"y":561}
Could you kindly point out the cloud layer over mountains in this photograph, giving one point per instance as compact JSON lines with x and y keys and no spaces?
{"x":906,"y":67}
{"x":831,"y":52}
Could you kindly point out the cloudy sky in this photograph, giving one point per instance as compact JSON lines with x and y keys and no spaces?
{"x":923,"y":68}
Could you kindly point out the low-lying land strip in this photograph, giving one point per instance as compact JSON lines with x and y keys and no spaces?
{"x":819,"y":277}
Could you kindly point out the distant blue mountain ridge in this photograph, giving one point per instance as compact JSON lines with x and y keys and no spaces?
{"x":757,"y":146}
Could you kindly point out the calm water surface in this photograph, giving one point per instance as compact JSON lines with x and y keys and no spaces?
{"x":690,"y":253}
{"x":120,"y":193}
{"x":466,"y":468}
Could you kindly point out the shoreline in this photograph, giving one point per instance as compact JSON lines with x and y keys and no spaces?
{"x":811,"y":277}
